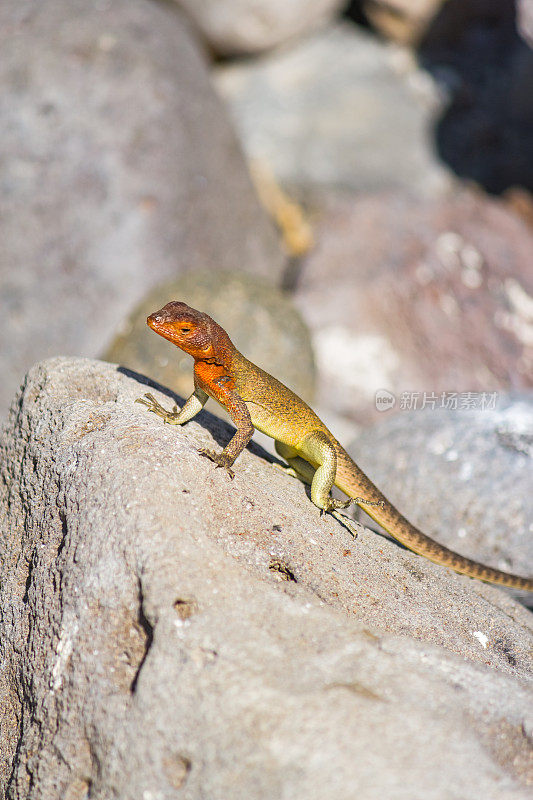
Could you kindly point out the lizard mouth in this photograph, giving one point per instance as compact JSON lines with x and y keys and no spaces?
{"x":158,"y":323}
{"x":153,"y":320}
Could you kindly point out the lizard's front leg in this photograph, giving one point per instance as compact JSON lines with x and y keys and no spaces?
{"x":190,"y":408}
{"x":226,"y":395}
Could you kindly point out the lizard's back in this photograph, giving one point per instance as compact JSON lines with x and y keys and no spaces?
{"x":274,"y":408}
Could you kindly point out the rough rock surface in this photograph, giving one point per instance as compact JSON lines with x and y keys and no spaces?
{"x":151,"y":648}
{"x":408,"y":296}
{"x":260,"y":319}
{"x":119,"y":170}
{"x":248,"y":26}
{"x":338,"y":109}
{"x":473,"y":492}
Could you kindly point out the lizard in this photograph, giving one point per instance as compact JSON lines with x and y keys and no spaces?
{"x":256,"y":400}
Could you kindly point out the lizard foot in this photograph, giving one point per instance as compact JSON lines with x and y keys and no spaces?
{"x":287,"y":470}
{"x":219,"y":459}
{"x":332,"y":504}
{"x":152,"y":405}
{"x":346,"y":521}
{"x":362,"y":501}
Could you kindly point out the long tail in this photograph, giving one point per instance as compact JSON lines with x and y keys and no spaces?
{"x":353,"y":482}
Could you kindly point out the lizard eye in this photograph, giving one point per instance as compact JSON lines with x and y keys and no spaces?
{"x":185,"y":330}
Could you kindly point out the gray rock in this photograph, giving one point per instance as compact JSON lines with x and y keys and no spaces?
{"x":165,"y":629}
{"x":119,"y":170}
{"x":462,"y":476}
{"x":249,"y":26}
{"x":339,"y":109}
{"x":260,"y":319}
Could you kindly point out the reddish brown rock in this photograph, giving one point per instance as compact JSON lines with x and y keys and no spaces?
{"x":410,"y":296}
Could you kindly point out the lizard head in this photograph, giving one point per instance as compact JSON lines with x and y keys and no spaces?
{"x":192,"y":331}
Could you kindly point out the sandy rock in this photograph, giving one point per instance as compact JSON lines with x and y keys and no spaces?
{"x":260,"y":319}
{"x":164,"y":629}
{"x":410,"y":296}
{"x":120,"y":169}
{"x":339,"y":109}
{"x":234,"y":27}
{"x":473,"y":490}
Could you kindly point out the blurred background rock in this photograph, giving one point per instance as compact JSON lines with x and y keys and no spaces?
{"x":346,"y":184}
{"x":244,"y":27}
{"x":392,"y":151}
{"x":120,"y":169}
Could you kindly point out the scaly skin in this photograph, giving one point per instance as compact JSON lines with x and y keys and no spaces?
{"x":254,"y":399}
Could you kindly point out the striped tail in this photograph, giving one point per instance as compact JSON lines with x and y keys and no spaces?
{"x":353,"y":482}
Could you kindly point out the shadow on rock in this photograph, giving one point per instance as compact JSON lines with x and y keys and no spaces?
{"x":219,"y":430}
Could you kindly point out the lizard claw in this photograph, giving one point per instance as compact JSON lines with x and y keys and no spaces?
{"x":362,"y":501}
{"x":152,"y":405}
{"x":333,"y":505}
{"x":287,"y":470}
{"x":346,"y":521}
{"x":219,"y":459}
{"x":144,"y":400}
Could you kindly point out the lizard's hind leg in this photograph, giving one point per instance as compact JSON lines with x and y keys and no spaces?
{"x":321,"y":450}
{"x":298,"y":467}
{"x":322,"y":478}
{"x":321,"y":486}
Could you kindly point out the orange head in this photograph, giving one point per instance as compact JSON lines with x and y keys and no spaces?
{"x":192,"y":331}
